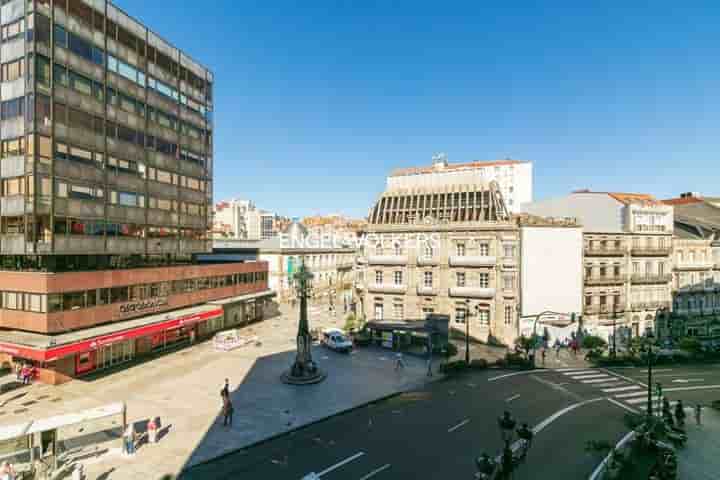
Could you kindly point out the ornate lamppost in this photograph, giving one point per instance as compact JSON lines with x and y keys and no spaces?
{"x":303,"y":371}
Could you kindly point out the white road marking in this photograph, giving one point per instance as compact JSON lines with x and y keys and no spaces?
{"x":688,"y":380}
{"x":657,"y":371}
{"x":580,"y":372}
{"x":633,"y":394}
{"x":627,"y":379}
{"x":684,"y":389}
{"x":524,"y":372}
{"x":340,"y":464}
{"x":635,"y":401}
{"x":461,"y":424}
{"x":375,"y":472}
{"x":590,"y":377}
{"x":622,"y":405}
{"x":600,"y":380}
{"x":570,"y":369}
{"x":514,"y":397}
{"x":620,"y":389}
{"x":540,"y":426}
{"x":599,"y":470}
{"x":609,"y":383}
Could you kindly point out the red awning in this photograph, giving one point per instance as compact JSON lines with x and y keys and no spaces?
{"x":53,"y":353}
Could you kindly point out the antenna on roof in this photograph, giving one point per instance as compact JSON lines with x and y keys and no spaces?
{"x":440,"y":160}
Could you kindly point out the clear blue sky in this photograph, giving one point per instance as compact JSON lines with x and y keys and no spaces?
{"x":317,"y":101}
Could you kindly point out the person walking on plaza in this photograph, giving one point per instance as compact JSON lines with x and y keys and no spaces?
{"x":7,"y":472}
{"x":25,"y":373}
{"x":698,"y":413}
{"x":225,"y":392}
{"x":227,"y":411}
{"x":152,"y":431}
{"x":18,"y":371}
{"x":544,"y":354}
{"x":129,"y":437}
{"x":680,"y":414}
{"x":399,"y":361}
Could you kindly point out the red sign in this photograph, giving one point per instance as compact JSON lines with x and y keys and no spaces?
{"x":54,"y":353}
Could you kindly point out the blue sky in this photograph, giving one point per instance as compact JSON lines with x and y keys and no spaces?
{"x":317,"y":101}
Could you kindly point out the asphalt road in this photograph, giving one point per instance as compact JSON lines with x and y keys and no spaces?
{"x":436,"y":433}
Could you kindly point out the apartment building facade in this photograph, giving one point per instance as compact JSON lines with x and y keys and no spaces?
{"x":106,"y":166}
{"x":627,"y":257}
{"x":445,"y":249}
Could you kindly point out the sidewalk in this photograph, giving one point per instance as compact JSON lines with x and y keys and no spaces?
{"x":699,"y":460}
{"x":566,"y":359}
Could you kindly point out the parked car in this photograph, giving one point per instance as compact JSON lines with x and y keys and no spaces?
{"x":335,"y":339}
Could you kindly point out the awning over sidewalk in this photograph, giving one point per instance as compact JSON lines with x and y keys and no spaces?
{"x":47,"y":348}
{"x":243,"y":298}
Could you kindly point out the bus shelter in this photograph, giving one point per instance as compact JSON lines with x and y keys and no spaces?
{"x":39,"y":448}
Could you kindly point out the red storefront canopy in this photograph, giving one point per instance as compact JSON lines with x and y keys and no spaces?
{"x":53,"y":353}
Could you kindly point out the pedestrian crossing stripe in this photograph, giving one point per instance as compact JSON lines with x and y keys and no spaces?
{"x":589,"y":377}
{"x":580,"y":372}
{"x":600,"y":380}
{"x":609,"y":383}
{"x":635,"y":401}
{"x":621,"y":389}
{"x":571,"y":370}
{"x":633,"y":394}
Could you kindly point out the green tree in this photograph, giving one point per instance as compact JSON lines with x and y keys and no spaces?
{"x":690,"y":345}
{"x":350,"y":323}
{"x":592,"y":342}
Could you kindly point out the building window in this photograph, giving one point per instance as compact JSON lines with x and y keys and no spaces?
{"x":398,"y":277}
{"x":460,"y":249}
{"x":648,"y":269}
{"x":588,"y":272}
{"x":661,"y":269}
{"x":398,"y":311}
{"x":378,"y":277}
{"x":508,"y":314}
{"x":616,"y":271}
{"x":509,"y":250}
{"x":460,"y":278}
{"x":484,"y":249}
{"x":398,"y":249}
{"x":483,"y":317}
{"x":484,"y":280}
{"x":428,"y":251}
{"x":428,"y":279}
{"x":588,"y":300}
{"x":460,"y":315}
{"x":378,"y":249}
{"x":508,"y":282}
{"x":636,"y":268}
{"x":427,"y":311}
{"x":378,"y":311}
{"x":603,"y":272}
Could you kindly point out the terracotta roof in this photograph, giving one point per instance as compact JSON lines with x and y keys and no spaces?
{"x":627,"y":198}
{"x":452,"y":167}
{"x":682,"y":201}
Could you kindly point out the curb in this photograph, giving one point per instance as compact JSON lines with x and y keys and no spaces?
{"x":412,"y":387}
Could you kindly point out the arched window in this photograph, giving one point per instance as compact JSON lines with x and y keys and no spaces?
{"x":428,"y":250}
{"x":398,"y":248}
{"x":378,"y":248}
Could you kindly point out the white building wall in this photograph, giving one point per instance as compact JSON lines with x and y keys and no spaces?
{"x":597,"y":212}
{"x":551,"y":276}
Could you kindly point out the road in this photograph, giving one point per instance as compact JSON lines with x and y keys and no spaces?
{"x":437,"y":432}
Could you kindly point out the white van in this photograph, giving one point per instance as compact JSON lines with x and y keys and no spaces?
{"x":335,"y":339}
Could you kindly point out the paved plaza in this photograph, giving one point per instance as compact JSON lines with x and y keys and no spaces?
{"x":183,"y":389}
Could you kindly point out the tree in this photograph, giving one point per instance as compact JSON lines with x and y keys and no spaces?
{"x":691,"y":345}
{"x":350,"y":323}
{"x":592,"y":342}
{"x":525,"y":344}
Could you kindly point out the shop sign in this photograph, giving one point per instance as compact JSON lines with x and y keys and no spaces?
{"x":143,"y":306}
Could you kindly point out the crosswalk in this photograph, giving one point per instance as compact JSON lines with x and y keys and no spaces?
{"x":630,"y":395}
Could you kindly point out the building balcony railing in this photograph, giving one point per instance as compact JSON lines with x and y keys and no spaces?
{"x":344,"y":265}
{"x":649,"y":305}
{"x":472,"y":261}
{"x":651,"y":251}
{"x":387,"y":259}
{"x":600,"y":308}
{"x":427,"y":261}
{"x":423,"y":290}
{"x":604,"y":252}
{"x":387,"y":288}
{"x":472,"y":292}
{"x":694,"y":266}
{"x":640,"y":279}
{"x":607,"y":280}
{"x":509,"y":262}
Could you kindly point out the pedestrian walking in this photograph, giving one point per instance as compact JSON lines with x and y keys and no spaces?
{"x":25,"y":373}
{"x":227,"y":412}
{"x":399,"y":361}
{"x":429,"y":366}
{"x":129,"y":437}
{"x":544,"y":353}
{"x":680,"y":414}
{"x":152,"y":431}
{"x":698,"y":413}
{"x":18,"y":371}
{"x":225,"y":392}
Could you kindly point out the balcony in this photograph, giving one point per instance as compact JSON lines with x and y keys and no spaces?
{"x":607,"y":308}
{"x":126,"y":245}
{"x":425,"y":261}
{"x":648,"y":279}
{"x":706,"y":265}
{"x":387,"y":259}
{"x":649,"y":305}
{"x":79,"y":170}
{"x":162,"y":245}
{"x":607,"y":280}
{"x":75,"y":208}
{"x":651,"y":251}
{"x":472,"y":292}
{"x":193,"y":246}
{"x":423,"y":290}
{"x":12,"y":166}
{"x":472,"y":261}
{"x":386,"y":288}
{"x":604,"y":252}
{"x":81,"y":244}
{"x":12,"y":243}
{"x":15,"y":206}
{"x":509,"y":262}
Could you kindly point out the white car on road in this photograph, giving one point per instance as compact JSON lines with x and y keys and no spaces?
{"x":335,"y":339}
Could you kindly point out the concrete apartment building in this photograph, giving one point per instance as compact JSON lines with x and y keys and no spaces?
{"x":627,"y":256}
{"x":434,"y":246}
{"x":106,"y":166}
{"x":242,"y":220}
{"x":513,"y":177}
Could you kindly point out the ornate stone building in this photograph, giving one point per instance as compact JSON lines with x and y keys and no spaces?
{"x":442,"y":248}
